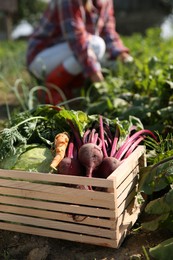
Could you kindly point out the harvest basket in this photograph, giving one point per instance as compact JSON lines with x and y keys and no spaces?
{"x":53,"y":206}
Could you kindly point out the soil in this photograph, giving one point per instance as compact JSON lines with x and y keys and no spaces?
{"x":19,"y":246}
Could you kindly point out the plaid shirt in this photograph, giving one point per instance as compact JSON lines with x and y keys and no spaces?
{"x":73,"y":21}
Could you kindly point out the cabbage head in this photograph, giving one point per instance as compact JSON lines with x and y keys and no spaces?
{"x":37,"y":158}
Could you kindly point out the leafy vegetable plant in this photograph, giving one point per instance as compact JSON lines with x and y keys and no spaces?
{"x":157,"y":182}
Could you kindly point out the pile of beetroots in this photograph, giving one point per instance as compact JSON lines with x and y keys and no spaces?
{"x":98,"y":152}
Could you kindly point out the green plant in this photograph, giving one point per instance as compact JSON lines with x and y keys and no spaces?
{"x":156,"y":181}
{"x":142,"y":89}
{"x":29,"y":10}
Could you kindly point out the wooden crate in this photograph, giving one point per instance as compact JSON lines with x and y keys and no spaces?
{"x":46,"y":205}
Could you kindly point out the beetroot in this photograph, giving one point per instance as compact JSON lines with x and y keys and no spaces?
{"x":70,"y":166}
{"x":90,"y":156}
{"x":100,"y":150}
{"x":107,"y":166}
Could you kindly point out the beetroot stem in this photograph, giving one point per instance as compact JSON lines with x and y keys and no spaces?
{"x":86,"y":135}
{"x":70,"y":149}
{"x":123,"y":149}
{"x":76,"y":133}
{"x":133,"y":146}
{"x":114,"y":147}
{"x":115,"y":141}
{"x":102,"y":137}
{"x":92,"y":135}
{"x":95,"y":138}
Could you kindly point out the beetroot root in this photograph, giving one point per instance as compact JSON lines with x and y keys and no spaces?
{"x":90,"y":156}
{"x":70,"y":166}
{"x":107,"y":166}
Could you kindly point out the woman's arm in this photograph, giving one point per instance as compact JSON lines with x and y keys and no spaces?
{"x":72,"y":17}
{"x":115,"y":46}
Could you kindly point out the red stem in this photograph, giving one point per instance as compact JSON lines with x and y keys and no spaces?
{"x":133,"y":146}
{"x":70,"y":150}
{"x":86,"y":135}
{"x":92,"y":135}
{"x":102,"y":137}
{"x":76,"y":133}
{"x":114,"y":147}
{"x":115,"y":141}
{"x":123,"y":149}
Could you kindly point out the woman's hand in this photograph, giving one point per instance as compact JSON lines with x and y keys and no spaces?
{"x":97,"y":77}
{"x":125,"y":57}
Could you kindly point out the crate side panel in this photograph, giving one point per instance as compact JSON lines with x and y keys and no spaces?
{"x":128,"y":219}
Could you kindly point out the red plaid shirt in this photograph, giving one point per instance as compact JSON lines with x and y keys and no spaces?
{"x":73,"y":21}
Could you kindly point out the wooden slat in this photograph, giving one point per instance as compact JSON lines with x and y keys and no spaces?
{"x":143,"y":161}
{"x":126,"y":202}
{"x":82,"y":220}
{"x":55,"y":178}
{"x":126,"y":192}
{"x":61,"y":235}
{"x":57,"y":193}
{"x":131,"y":178}
{"x":58,"y":225}
{"x":132,"y":174}
{"x":60,"y":207}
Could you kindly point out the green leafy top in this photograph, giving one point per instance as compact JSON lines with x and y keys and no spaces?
{"x":41,"y":124}
{"x":16,"y":135}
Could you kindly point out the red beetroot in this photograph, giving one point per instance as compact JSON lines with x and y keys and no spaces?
{"x":70,"y":166}
{"x":90,"y":156}
{"x":107,"y":166}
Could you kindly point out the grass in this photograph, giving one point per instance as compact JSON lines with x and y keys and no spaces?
{"x":12,"y":60}
{"x":17,"y":86}
{"x":12,"y":68}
